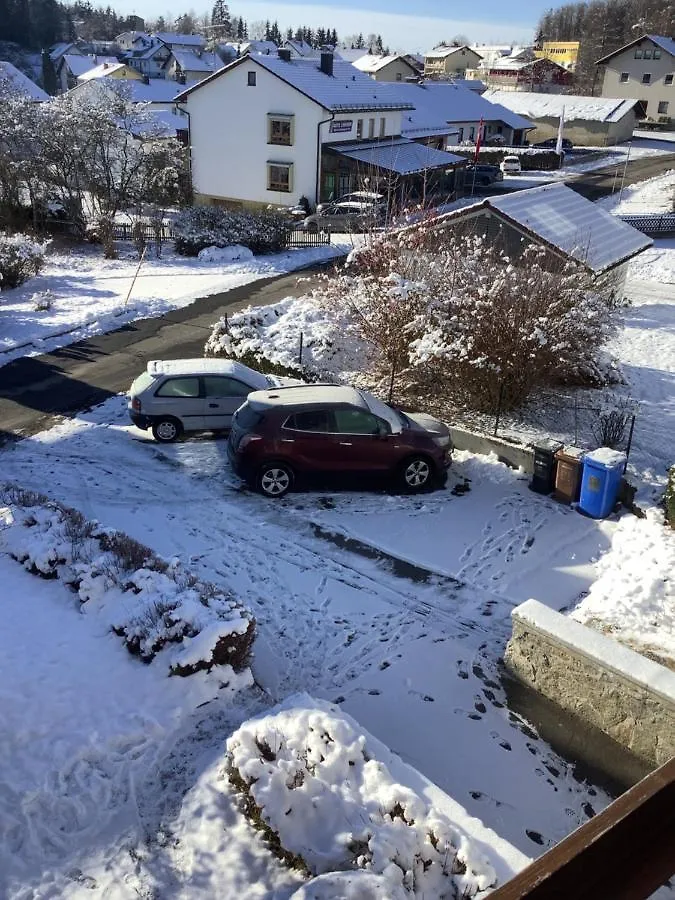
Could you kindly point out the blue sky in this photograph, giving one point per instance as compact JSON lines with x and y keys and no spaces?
{"x":487,"y":21}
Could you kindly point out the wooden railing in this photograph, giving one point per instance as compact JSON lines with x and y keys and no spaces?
{"x":626,"y":852}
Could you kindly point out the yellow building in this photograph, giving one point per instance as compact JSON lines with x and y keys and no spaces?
{"x":564,"y":53}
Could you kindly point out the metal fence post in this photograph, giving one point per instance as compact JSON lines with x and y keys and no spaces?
{"x":300,"y":351}
{"x":630,"y":441}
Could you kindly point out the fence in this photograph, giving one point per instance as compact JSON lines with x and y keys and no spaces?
{"x":129,"y":231}
{"x":652,"y":223}
{"x":297,"y":237}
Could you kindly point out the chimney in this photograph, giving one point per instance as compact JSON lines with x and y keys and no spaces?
{"x":326,"y":64}
{"x":285,"y":54}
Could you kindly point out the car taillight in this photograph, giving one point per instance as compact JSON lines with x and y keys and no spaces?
{"x":248,"y":439}
{"x":136,"y":404}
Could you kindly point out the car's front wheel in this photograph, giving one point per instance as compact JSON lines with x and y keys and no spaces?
{"x":275,"y":479}
{"x":166,"y":430}
{"x":416,"y":474}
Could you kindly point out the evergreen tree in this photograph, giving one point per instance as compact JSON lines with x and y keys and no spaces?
{"x":49,"y":79}
{"x":241,"y":30}
{"x":220,"y":20}
{"x":379,"y":46}
{"x":320,"y":37}
{"x":360,"y":43}
{"x":268,"y":33}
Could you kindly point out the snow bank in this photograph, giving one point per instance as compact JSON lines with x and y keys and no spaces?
{"x":234,"y":253}
{"x":350,"y":886}
{"x":607,"y":457}
{"x":633,"y":596}
{"x":319,"y":787}
{"x":143,"y":599}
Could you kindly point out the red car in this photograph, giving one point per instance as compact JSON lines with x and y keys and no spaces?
{"x":286,"y":433}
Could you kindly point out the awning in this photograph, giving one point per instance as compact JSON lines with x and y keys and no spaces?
{"x":399,"y":155}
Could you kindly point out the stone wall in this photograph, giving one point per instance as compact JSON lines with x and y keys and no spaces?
{"x":625,"y":695}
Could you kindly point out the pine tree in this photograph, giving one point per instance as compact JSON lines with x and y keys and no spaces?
{"x":268,"y":33}
{"x":360,"y":43}
{"x":220,"y":20}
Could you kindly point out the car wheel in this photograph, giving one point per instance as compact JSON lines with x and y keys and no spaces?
{"x":166,"y":430}
{"x":416,"y":474}
{"x":275,"y":479}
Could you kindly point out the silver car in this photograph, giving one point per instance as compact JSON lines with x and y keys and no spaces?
{"x":349,"y":215}
{"x":178,"y":395}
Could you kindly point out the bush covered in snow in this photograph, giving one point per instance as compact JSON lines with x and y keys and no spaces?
{"x":456,"y":315}
{"x":149,"y":602}
{"x":268,"y":339}
{"x":20,"y":259}
{"x":311,"y":781}
{"x":199,"y":227}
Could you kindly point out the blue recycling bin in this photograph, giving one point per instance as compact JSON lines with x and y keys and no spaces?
{"x":600,"y":481}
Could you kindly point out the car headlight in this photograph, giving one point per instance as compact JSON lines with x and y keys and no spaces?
{"x":442,"y":440}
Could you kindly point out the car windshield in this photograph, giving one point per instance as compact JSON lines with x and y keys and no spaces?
{"x":247,"y":418}
{"x":395,"y":420}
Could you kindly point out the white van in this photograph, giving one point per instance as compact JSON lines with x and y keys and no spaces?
{"x":510,"y":165}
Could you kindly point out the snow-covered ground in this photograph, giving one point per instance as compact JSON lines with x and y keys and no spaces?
{"x":656,"y":195}
{"x":89,"y":293}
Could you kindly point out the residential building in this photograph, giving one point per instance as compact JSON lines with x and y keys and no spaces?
{"x":565,"y":53}
{"x":443,"y":62}
{"x":191,"y":65}
{"x":386,"y":68}
{"x":447,"y":115}
{"x":18,"y":83}
{"x":110,"y":70}
{"x":589,"y":121}
{"x":300,"y":49}
{"x":272,"y":129}
{"x":70,"y":66}
{"x":490,"y":53}
{"x":567,"y":224}
{"x":231,"y":50}
{"x":513,"y":74}
{"x":643,"y":70}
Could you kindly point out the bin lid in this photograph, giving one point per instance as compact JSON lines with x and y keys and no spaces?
{"x":571,"y":454}
{"x":547,"y":444}
{"x":605,"y":456}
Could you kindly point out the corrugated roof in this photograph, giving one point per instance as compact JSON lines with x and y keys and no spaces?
{"x":398,"y":155}
{"x":446,"y":102}
{"x":21,"y":83}
{"x":574,"y":225}
{"x":538,"y":106}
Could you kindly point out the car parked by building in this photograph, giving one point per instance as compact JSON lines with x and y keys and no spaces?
{"x":181,"y":395}
{"x":482,"y":174}
{"x":552,"y":143}
{"x":510,"y":165}
{"x":347,"y":215}
{"x":282,"y":435}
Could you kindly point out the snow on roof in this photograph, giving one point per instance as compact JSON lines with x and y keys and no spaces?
{"x":447,"y":51}
{"x":170,"y":122}
{"x":78,"y":65}
{"x":447,"y":102}
{"x":399,"y":155}
{"x":665,"y":43}
{"x":572,"y":224}
{"x":516,"y":63}
{"x":190,"y":61}
{"x":103,"y":70}
{"x":471,"y":84}
{"x":21,"y":83}
{"x":179,"y":40}
{"x":208,"y":366}
{"x":302,"y":48}
{"x":157,"y":90}
{"x":539,"y":106}
{"x":56,"y":51}
{"x":373,"y":63}
{"x":307,"y":393}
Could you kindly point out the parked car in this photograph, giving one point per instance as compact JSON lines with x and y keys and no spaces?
{"x":349,"y":215}
{"x":552,"y":143}
{"x":178,"y":395}
{"x":364,"y":198}
{"x":510,"y":165}
{"x":484,"y":174}
{"x":323,"y":429}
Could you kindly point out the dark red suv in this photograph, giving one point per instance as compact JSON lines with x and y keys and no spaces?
{"x":315,"y":429}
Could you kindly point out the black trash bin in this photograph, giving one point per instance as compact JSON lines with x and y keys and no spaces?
{"x":543,"y":478}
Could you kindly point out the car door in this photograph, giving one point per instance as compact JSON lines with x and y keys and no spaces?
{"x":180,"y":397}
{"x":306,"y":441}
{"x":222,"y":397}
{"x":362,"y":441}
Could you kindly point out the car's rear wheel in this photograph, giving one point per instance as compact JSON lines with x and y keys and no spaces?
{"x":275,"y":479}
{"x":166,"y":430}
{"x":416,"y":474}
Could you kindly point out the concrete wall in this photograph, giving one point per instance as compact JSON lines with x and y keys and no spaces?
{"x":655,"y":92}
{"x":625,"y":695}
{"x":584,"y":132}
{"x":515,"y":455}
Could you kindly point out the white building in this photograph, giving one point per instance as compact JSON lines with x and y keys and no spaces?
{"x":445,"y":62}
{"x":395,"y":67}
{"x":271,"y":129}
{"x":643,"y":70}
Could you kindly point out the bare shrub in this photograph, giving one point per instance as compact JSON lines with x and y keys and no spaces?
{"x":78,"y":530}
{"x":611,"y":426}
{"x":106,"y":235}
{"x":13,"y":495}
{"x":129,"y":554}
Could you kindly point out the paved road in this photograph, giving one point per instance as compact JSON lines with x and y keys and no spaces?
{"x":601,"y":182}
{"x":36,"y":391}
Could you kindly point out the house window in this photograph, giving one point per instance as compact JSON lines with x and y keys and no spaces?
{"x":638,"y":54}
{"x":647,"y":54}
{"x":668,"y":79}
{"x":663,"y":108}
{"x":647,"y":78}
{"x":460,"y":135}
{"x":383,"y":127}
{"x":359,"y":128}
{"x":472,"y":133}
{"x":656,"y":54}
{"x":371,"y":128}
{"x":280,"y":130}
{"x":624,"y":77}
{"x":280,"y":177}
{"x":250,"y":79}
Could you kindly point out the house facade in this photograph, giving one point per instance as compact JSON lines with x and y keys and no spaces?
{"x":540,"y":75}
{"x":386,"y":68}
{"x":644,"y":71}
{"x":445,"y":62}
{"x":565,"y":53}
{"x":304,"y":128}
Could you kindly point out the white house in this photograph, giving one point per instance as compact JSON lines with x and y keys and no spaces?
{"x":643,"y":70}
{"x":272,"y":129}
{"x":394,"y":67}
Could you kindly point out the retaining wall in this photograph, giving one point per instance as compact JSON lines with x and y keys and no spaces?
{"x":514,"y":455}
{"x":625,"y":695}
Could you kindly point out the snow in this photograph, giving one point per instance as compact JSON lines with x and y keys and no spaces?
{"x":656,"y":195}
{"x":605,"y":456}
{"x":89,"y":292}
{"x":536,"y":105}
{"x":235,"y":253}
